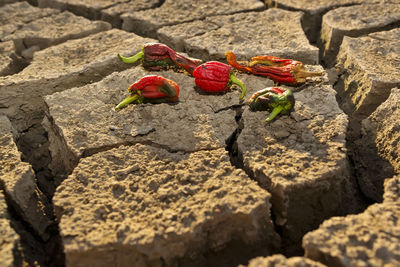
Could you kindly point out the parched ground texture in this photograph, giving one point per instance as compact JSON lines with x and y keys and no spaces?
{"x":203,"y":181}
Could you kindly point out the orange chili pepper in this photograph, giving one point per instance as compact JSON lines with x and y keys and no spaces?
{"x":280,"y":70}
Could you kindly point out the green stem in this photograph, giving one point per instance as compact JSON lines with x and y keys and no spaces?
{"x":235,"y":80}
{"x":132,"y":59}
{"x":127,"y":101}
{"x":274,"y":113}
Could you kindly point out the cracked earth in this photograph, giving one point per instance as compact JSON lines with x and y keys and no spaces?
{"x":204,"y":181}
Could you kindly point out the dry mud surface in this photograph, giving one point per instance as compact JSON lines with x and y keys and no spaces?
{"x":380,"y":136}
{"x":147,"y":22}
{"x":370,"y":238}
{"x":370,"y":67}
{"x":18,"y":182}
{"x":313,"y":11}
{"x":300,"y":159}
{"x":9,"y":239}
{"x":280,"y":260}
{"x":7,"y":52}
{"x":155,"y":211}
{"x":107,"y":10}
{"x":363,"y":19}
{"x":203,"y":181}
{"x":244,"y":34}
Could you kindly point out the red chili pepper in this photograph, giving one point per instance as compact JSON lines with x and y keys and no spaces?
{"x":152,"y":89}
{"x":278,"y":69}
{"x":214,"y":76}
{"x":156,"y":56}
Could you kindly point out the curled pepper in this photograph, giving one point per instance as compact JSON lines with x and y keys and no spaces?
{"x":275,"y":99}
{"x":151,"y":89}
{"x":214,"y":76}
{"x":156,"y":56}
{"x":280,"y":70}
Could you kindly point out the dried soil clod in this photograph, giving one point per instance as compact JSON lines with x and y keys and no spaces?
{"x":53,"y":30}
{"x":301,"y":160}
{"x":161,"y":212}
{"x":18,"y":180}
{"x":354,"y":21}
{"x":190,"y":125}
{"x":9,"y":240}
{"x":20,"y":13}
{"x":278,"y":260}
{"x":313,"y":12}
{"x":360,"y":239}
{"x":379,"y":153}
{"x":86,"y":8}
{"x":7,"y":58}
{"x":73,"y":63}
{"x":107,"y":10}
{"x":274,"y":32}
{"x":147,"y":22}
{"x":370,"y":68}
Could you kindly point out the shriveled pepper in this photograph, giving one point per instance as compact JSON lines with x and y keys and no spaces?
{"x":151,"y":89}
{"x":156,"y":56}
{"x":280,"y":70}
{"x":275,"y":99}
{"x":214,"y":76}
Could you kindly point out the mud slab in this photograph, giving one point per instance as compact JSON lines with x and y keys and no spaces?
{"x":107,"y":10}
{"x":274,"y":32}
{"x":379,"y":156}
{"x":392,"y":190}
{"x":280,"y":260}
{"x":82,"y":121}
{"x":354,"y":21}
{"x":73,"y":63}
{"x":144,"y":206}
{"x":87,"y":8}
{"x":53,"y":30}
{"x":14,"y":16}
{"x":370,"y":68}
{"x":383,"y":123}
{"x":147,"y":22}
{"x":20,"y":13}
{"x":313,"y":12}
{"x":300,"y":159}
{"x":363,"y":239}
{"x":7,"y":53}
{"x":5,"y":2}
{"x":9,"y":240}
{"x":113,"y":13}
{"x":18,"y":180}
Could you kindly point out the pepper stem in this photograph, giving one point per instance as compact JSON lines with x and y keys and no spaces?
{"x":132,"y":59}
{"x":235,"y":80}
{"x":127,"y":101}
{"x":274,"y":113}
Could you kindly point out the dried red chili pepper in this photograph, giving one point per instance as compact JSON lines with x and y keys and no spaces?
{"x":214,"y":76}
{"x":278,"y":69}
{"x":275,"y":99}
{"x":156,"y":56}
{"x":151,"y":89}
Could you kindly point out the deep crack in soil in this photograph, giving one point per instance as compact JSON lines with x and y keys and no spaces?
{"x":34,"y":146}
{"x":287,"y":248}
{"x":32,"y":249}
{"x":362,"y":156}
